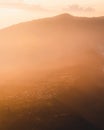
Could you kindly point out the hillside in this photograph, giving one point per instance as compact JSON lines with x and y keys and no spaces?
{"x":52,"y":42}
{"x":52,"y":74}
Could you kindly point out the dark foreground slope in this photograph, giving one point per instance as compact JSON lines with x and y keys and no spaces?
{"x":65,"y":99}
{"x":52,"y":74}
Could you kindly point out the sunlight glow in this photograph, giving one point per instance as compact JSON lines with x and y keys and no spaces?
{"x":30,"y":1}
{"x":20,"y":10}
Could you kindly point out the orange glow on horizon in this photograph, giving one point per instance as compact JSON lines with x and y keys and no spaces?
{"x":24,"y":10}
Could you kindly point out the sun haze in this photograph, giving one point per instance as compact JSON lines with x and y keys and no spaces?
{"x":51,"y":65}
{"x":15,"y":11}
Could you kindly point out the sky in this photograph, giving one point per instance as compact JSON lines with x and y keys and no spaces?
{"x":15,"y":11}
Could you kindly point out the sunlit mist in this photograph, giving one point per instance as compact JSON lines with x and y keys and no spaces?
{"x":51,"y":65}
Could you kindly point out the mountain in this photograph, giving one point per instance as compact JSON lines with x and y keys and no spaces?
{"x":52,"y":42}
{"x":52,"y":74}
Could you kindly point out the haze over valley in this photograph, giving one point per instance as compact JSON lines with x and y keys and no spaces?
{"x":52,"y":74}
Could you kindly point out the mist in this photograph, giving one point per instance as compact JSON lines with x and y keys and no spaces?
{"x":52,"y":74}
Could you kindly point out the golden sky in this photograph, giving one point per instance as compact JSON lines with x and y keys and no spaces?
{"x":14,"y":11}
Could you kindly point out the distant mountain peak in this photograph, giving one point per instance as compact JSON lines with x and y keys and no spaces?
{"x":64,"y":15}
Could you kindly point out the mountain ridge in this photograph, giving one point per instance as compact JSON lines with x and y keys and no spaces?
{"x":64,"y":16}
